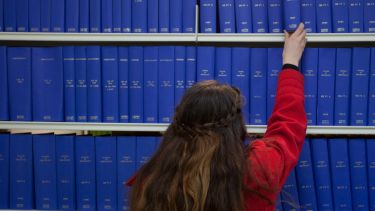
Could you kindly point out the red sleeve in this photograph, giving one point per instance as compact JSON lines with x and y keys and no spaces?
{"x":272,"y":158}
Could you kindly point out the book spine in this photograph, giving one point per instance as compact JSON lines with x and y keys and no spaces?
{"x":1,"y":16}
{"x":223,"y":65}
{"x":153,"y":16}
{"x":110,"y":83}
{"x":139,"y":16}
{"x":243,"y":16}
{"x":107,"y":16}
{"x":34,"y":15}
{"x":258,"y":86}
{"x":126,"y":15}
{"x":145,"y":149}
{"x":22,"y":10}
{"x":371,"y":96}
{"x":207,"y":16}
{"x":4,"y":108}
{"x":116,"y":16}
{"x":95,"y":16}
{"x":191,"y":66}
{"x":292,"y":14}
{"x":123,"y":76}
{"x":339,"y":161}
{"x":326,"y":84}
{"x":308,"y":15}
{"x":360,"y":84}
{"x":310,"y":72}
{"x":85,"y":173}
{"x":84,"y":17}
{"x":4,"y":174}
{"x":136,"y":84}
{"x":358,"y":174}
{"x":323,"y":16}
{"x":340,"y":13}
{"x":106,"y":173}
{"x":274,"y":67}
{"x":58,"y":15}
{"x":19,"y":78}
{"x":275,"y":17}
{"x":175,"y":16}
{"x":47,"y":84}
{"x":289,"y":192}
{"x":150,"y":81}
{"x":10,"y":16}
{"x":72,"y":16}
{"x":164,"y":13}
{"x":260,"y":16}
{"x":45,"y":172}
{"x":45,"y":15}
{"x":188,"y":16}
{"x":371,"y":171}
{"x":94,"y":84}
{"x":179,"y":69}
{"x":21,"y":174}
{"x":369,"y":16}
{"x":342,"y":86}
{"x":205,"y":63}
{"x":66,"y":195}
{"x":322,"y":175}
{"x":240,"y":76}
{"x":227,"y":16}
{"x":69,"y":83}
{"x":81,"y":83}
{"x":166,"y":86}
{"x":356,"y":9}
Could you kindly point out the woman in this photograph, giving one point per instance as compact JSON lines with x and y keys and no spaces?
{"x":203,"y":164}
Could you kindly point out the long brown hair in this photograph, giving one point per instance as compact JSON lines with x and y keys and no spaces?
{"x":200,"y":163}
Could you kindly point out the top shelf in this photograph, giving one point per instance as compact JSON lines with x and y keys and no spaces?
{"x":180,"y":37}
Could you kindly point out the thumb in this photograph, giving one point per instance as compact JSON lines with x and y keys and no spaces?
{"x":286,"y":34}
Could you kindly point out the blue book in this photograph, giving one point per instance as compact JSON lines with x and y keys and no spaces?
{"x":356,"y":18}
{"x":126,"y":163}
{"x":358,"y":174}
{"x":106,"y":172}
{"x":66,"y":194}
{"x":308,"y":15}
{"x":371,"y":171}
{"x":85,"y":173}
{"x":4,"y":174}
{"x":152,"y":16}
{"x":207,"y":13}
{"x":110,"y":84}
{"x":34,"y":15}
{"x":326,"y":84}
{"x":342,"y":86}
{"x":179,"y":72}
{"x":19,"y":82}
{"x":360,"y":84}
{"x":166,"y":83}
{"x":323,"y":16}
{"x":45,"y":15}
{"x":80,"y":65}
{"x":84,"y":18}
{"x":371,"y":98}
{"x":188,"y":16}
{"x":320,"y":157}
{"x":4,"y":108}
{"x":258,"y":86}
{"x":289,"y":193}
{"x":205,"y":63}
{"x":10,"y":17}
{"x":175,"y":16}
{"x":241,"y":77}
{"x":279,"y":206}
{"x":164,"y":13}
{"x":275,"y":17}
{"x":274,"y":66}
{"x":145,"y":150}
{"x":136,"y":84}
{"x":191,"y":66}
{"x":123,"y":80}
{"x":139,"y":16}
{"x":69,"y":84}
{"x":339,"y":161}
{"x":292,"y":14}
{"x":227,"y":16}
{"x":150,"y":81}
{"x":45,"y":172}
{"x":305,"y":179}
{"x":72,"y":16}
{"x":369,"y":16}
{"x":21,"y":174}
{"x":126,"y":16}
{"x":243,"y":16}
{"x":107,"y":16}
{"x":94,"y":84}
{"x":47,"y":84}
{"x":95,"y":18}
{"x":309,"y":68}
{"x":340,"y":13}
{"x":260,"y":16}
{"x":22,"y":11}
{"x":1,"y":16}
{"x":116,"y":16}
{"x":58,"y":15}
{"x":223,"y":65}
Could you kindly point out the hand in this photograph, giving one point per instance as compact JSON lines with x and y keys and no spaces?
{"x":294,"y":45}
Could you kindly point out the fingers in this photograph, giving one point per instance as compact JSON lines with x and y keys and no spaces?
{"x":299,"y":30}
{"x":286,"y":34}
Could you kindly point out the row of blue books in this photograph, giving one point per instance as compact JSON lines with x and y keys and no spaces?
{"x":68,"y":172}
{"x":144,"y":84}
{"x":332,"y":174}
{"x":107,"y":16}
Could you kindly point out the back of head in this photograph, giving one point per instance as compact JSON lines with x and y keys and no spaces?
{"x":199,"y":165}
